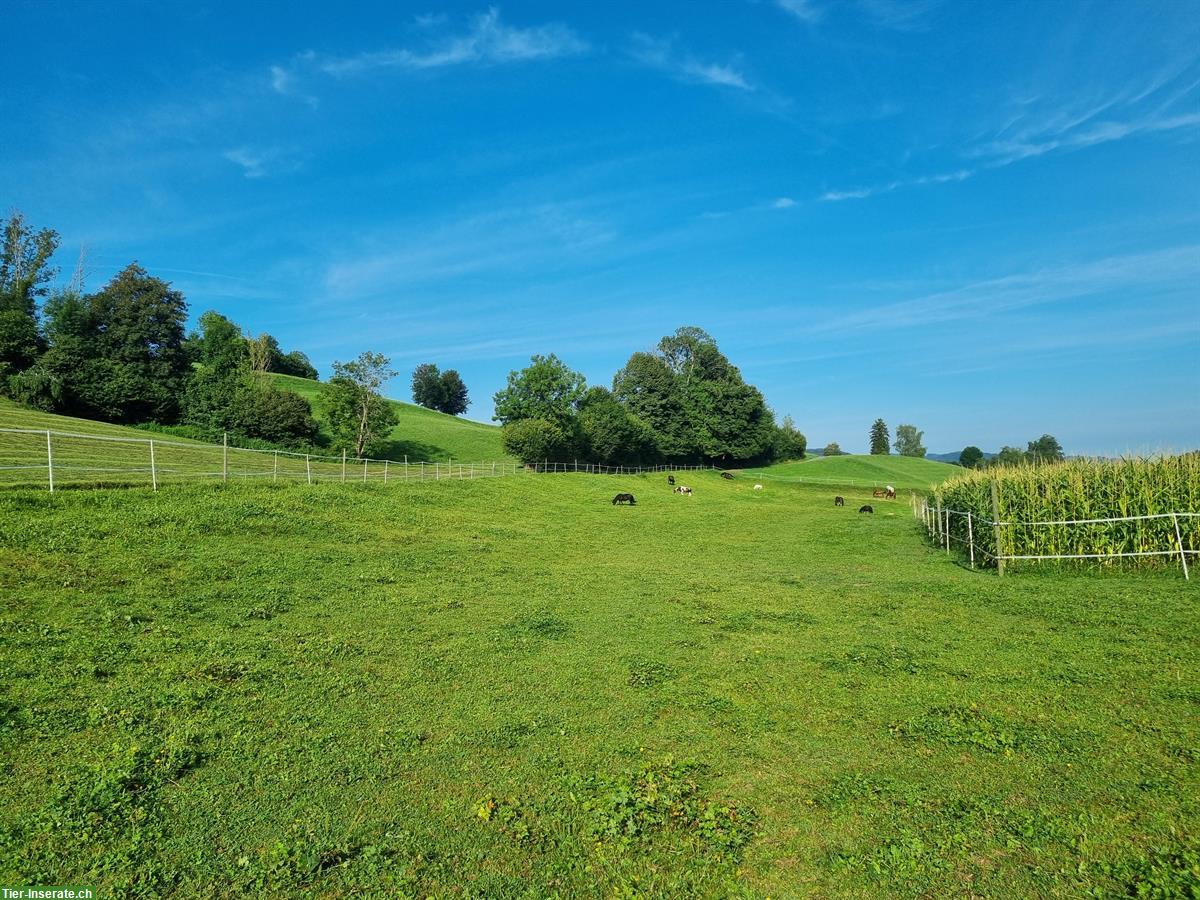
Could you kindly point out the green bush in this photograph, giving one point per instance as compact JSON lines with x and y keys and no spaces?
{"x":534,"y":440}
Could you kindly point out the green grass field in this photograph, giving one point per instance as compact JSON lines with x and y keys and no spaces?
{"x":512,"y":688}
{"x":420,"y":434}
{"x":902,"y":472}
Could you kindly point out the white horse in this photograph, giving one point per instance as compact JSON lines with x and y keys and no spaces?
{"x":683,"y":489}
{"x":758,"y":487}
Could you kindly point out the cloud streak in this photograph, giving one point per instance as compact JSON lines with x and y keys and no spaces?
{"x":860,"y":193}
{"x":1172,"y":268}
{"x":662,"y":55}
{"x":487,"y":41}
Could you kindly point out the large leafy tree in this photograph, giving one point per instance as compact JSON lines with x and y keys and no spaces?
{"x":880,"y":445}
{"x":1044,"y":449}
{"x":1009,"y":456}
{"x":456,"y":399}
{"x":611,"y":434}
{"x":695,"y":401}
{"x":120,"y":351}
{"x":832,"y":449}
{"x":427,"y":388}
{"x":646,"y":386}
{"x":443,"y":391}
{"x":25,"y":273}
{"x":970,"y":458}
{"x":359,"y":416}
{"x":535,"y":440}
{"x":545,"y":389}
{"x":908,"y":441}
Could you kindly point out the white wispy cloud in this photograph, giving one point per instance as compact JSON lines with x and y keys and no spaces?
{"x":662,"y":54}
{"x":860,"y":193}
{"x":487,"y":41}
{"x":1038,"y":124}
{"x":1172,"y":268}
{"x":804,"y":10}
{"x":783,"y":203}
{"x":284,"y":83}
{"x":898,"y":15}
{"x":261,"y":163}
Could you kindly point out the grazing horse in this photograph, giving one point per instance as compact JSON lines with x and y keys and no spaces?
{"x":878,"y":492}
{"x":670,"y":479}
{"x":839,"y":501}
{"x":866,"y":509}
{"x":683,"y":489}
{"x":728,"y":475}
{"x":891,"y":493}
{"x":624,"y":498}
{"x":758,"y":487}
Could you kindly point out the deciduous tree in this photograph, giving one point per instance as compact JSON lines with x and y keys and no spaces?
{"x":908,"y":441}
{"x":359,"y":416}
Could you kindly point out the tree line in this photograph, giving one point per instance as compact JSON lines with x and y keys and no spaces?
{"x":122,"y":354}
{"x":683,"y":402}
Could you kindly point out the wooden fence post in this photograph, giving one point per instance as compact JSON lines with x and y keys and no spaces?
{"x":224,"y":456}
{"x":385,"y":464}
{"x":343,"y":465}
{"x":308,"y":467}
{"x":153,"y":468}
{"x":275,"y":470}
{"x":971,"y":538}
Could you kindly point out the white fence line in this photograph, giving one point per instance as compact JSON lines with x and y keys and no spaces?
{"x":936,"y":520}
{"x":55,"y":459}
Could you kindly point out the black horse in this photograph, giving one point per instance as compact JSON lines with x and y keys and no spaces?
{"x":670,"y":479}
{"x":624,"y":498}
{"x":728,"y":475}
{"x":839,"y":501}
{"x":866,"y":509}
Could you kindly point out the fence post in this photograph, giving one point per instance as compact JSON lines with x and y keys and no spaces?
{"x":1182,"y":553}
{"x":153,"y":468}
{"x":50,"y":460}
{"x":938,"y":530}
{"x":971,"y":538}
{"x":308,"y":467}
{"x":437,"y":470}
{"x":947,"y":535}
{"x":364,"y":471}
{"x":406,"y":467}
{"x":343,"y":465}
{"x":224,"y":456}
{"x":996,"y":526}
{"x":493,"y":469}
{"x":275,"y":470}
{"x":385,"y":462}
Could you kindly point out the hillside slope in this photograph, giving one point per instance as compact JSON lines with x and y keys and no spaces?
{"x":14,"y":415}
{"x":420,"y":434}
{"x":903,"y":472}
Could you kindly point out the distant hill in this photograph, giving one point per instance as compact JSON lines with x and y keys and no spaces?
{"x":421,"y":434}
{"x":953,"y":457}
{"x":902,"y":472}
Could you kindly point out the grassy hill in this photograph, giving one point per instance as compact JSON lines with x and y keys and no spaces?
{"x":903,"y":472}
{"x":421,"y":434}
{"x":511,"y":688}
{"x":14,"y":415}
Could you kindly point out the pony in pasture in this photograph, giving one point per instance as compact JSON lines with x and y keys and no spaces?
{"x":670,"y":479}
{"x":839,"y":501}
{"x":758,"y":487}
{"x":866,"y":509}
{"x":891,"y":492}
{"x":683,"y":489}
{"x":727,"y":475}
{"x":624,"y":498}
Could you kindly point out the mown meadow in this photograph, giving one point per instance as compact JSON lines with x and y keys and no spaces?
{"x":511,"y":688}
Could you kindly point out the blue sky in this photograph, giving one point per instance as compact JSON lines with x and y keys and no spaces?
{"x":980,"y":218}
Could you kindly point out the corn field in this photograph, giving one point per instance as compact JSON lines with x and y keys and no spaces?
{"x":1058,"y":510}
